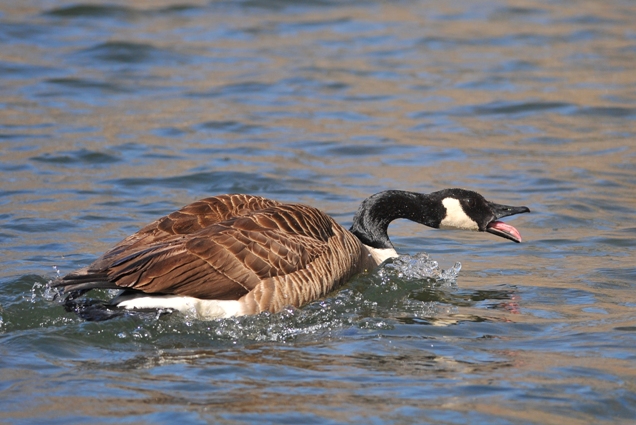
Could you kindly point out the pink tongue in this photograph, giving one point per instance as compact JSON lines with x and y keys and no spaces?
{"x":506,"y":228}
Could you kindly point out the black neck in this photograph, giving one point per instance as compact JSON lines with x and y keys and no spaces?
{"x":372,"y":219}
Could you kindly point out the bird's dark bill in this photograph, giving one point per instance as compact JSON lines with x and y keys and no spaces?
{"x":506,"y":210}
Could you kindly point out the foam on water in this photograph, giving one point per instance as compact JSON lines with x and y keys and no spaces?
{"x":419,"y":266}
{"x":370,"y":302}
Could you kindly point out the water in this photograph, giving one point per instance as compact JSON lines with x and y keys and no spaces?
{"x":113,"y":114}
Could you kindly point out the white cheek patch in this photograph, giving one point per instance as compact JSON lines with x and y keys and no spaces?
{"x":456,"y":218}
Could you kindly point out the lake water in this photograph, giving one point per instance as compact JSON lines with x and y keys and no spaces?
{"x":113,"y":114}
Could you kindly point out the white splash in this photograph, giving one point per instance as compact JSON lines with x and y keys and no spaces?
{"x":420,"y":266}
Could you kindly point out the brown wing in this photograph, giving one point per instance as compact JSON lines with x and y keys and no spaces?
{"x":224,"y":260}
{"x":188,"y":220}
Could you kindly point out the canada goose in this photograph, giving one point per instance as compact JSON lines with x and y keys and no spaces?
{"x":233,"y":255}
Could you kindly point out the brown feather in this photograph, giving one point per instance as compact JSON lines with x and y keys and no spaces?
{"x":232,"y":247}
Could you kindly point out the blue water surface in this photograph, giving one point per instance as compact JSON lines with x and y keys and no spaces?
{"x":113,"y":114}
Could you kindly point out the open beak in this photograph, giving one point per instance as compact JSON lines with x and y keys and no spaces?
{"x":502,"y":229}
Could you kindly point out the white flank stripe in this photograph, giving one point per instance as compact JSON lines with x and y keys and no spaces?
{"x":203,"y":309}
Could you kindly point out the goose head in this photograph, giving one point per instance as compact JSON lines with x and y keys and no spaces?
{"x":468,"y":210}
{"x":446,"y":209}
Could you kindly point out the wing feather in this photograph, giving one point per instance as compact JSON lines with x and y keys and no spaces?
{"x":216,"y":248}
{"x":186,"y":221}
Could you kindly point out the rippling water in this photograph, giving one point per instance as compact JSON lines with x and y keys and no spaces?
{"x":113,"y":114}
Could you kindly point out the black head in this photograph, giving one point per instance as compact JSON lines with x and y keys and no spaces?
{"x":446,"y":209}
{"x":468,"y":210}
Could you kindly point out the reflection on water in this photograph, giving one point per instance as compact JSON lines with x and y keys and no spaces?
{"x":115,"y":114}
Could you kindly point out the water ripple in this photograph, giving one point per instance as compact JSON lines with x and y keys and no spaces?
{"x":94,"y":11}
{"x":79,"y":158}
{"x":116,"y":12}
{"x":125,"y":52}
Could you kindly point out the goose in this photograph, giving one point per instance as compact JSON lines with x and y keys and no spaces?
{"x":234,"y":255}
